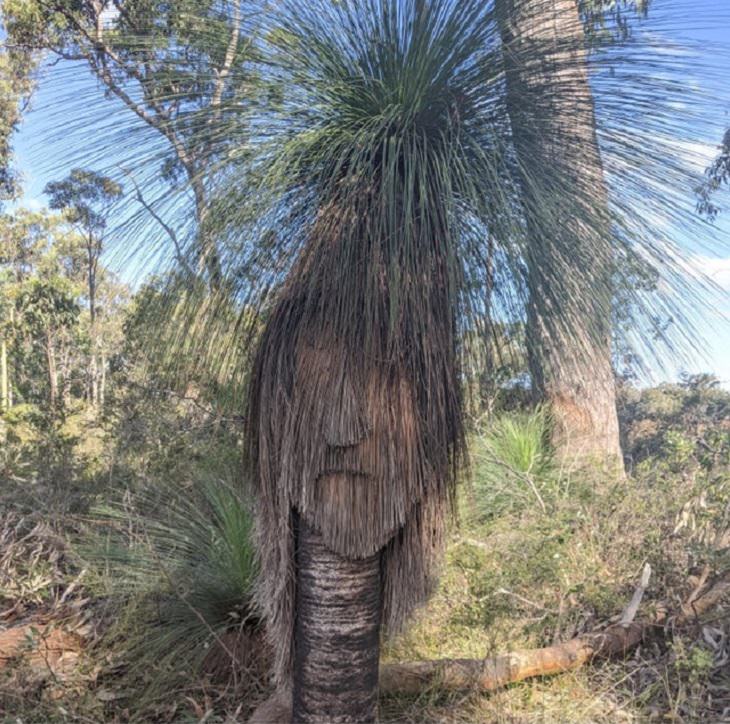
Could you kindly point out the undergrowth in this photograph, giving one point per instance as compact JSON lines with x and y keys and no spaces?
{"x":160,"y":582}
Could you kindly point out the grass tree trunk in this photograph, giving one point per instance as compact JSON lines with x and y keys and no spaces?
{"x":551,"y":110}
{"x":336,"y":634}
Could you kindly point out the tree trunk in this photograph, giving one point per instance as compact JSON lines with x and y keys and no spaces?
{"x":10,"y":379}
{"x":488,"y":376}
{"x":4,"y":386}
{"x":52,"y":371}
{"x":207,"y":248}
{"x":102,"y":381}
{"x":64,"y":375}
{"x":92,"y":249}
{"x":336,"y":634}
{"x":565,"y":201}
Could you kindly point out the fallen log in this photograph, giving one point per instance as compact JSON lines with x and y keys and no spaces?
{"x":496,"y":672}
{"x":492,"y":673}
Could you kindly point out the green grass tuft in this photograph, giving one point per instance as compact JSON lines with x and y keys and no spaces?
{"x":513,"y":464}
{"x":178,"y":567}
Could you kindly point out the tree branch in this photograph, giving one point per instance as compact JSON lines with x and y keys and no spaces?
{"x":167,"y":228}
{"x":225,"y":70}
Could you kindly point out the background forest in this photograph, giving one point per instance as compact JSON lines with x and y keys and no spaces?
{"x":127,"y":562}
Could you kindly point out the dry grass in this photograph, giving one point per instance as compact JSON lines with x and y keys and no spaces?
{"x":516,"y":577}
{"x":527,"y":578}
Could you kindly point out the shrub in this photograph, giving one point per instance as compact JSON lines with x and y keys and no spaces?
{"x":178,"y":566}
{"x":512,"y":463}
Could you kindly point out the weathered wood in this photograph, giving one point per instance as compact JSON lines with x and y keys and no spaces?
{"x":44,"y":647}
{"x":496,"y":672}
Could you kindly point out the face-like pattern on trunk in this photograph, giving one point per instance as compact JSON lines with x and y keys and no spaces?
{"x":356,"y":445}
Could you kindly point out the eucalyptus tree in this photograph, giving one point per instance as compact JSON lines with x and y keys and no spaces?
{"x":570,"y":260}
{"x":86,"y":198}
{"x":40,"y":292}
{"x":565,"y":202}
{"x":176,"y":67}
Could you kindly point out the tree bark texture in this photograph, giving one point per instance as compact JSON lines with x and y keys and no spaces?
{"x":569,"y":257}
{"x":336,"y":634}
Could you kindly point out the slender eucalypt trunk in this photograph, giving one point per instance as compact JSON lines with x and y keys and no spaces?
{"x":336,"y":634}
{"x":568,"y":248}
{"x":4,"y":384}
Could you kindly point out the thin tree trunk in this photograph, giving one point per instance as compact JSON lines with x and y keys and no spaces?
{"x":102,"y":381}
{"x":93,"y":377}
{"x":92,"y":249}
{"x":64,"y":375}
{"x":10,"y":379}
{"x":488,"y":380}
{"x":4,"y":386}
{"x":336,"y":634}
{"x":551,"y":111}
{"x":207,"y":248}
{"x":52,"y":371}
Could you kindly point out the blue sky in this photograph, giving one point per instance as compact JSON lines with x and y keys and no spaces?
{"x":50,"y":142}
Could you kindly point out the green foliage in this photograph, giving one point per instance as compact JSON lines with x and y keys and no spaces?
{"x":188,"y":340}
{"x":513,"y":464}
{"x":54,"y":444}
{"x":48,"y":306}
{"x":717,"y":176}
{"x":85,"y":197}
{"x":177,"y":565}
{"x":678,"y":426}
{"x":519,"y":441}
{"x":611,"y":20}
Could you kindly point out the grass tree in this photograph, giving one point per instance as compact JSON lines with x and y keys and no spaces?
{"x":355,"y":416}
{"x":565,"y":202}
{"x":377,"y":168}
